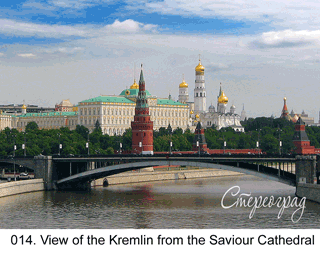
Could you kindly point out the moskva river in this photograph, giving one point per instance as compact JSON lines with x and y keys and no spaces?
{"x":222,"y":202}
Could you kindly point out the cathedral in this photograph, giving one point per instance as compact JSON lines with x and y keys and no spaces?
{"x":295,"y":116}
{"x":219,"y":117}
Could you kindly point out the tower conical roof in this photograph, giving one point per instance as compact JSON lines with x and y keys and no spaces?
{"x":141,"y":76}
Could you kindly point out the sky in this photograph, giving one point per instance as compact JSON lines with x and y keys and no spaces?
{"x":258,"y":51}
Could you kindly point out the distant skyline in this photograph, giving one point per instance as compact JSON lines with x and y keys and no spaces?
{"x":261,"y":51}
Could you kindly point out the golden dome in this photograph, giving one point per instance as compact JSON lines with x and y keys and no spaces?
{"x":134,"y":85}
{"x":223,"y":98}
{"x":128,"y":92}
{"x":199,"y":67}
{"x":24,"y":106}
{"x":197,"y":116}
{"x":183,"y":84}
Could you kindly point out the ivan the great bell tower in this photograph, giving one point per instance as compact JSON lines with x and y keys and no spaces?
{"x":142,"y":126}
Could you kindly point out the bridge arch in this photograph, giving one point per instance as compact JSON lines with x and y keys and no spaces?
{"x":90,"y":175}
{"x":25,"y":162}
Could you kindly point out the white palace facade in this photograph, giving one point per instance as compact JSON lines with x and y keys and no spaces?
{"x":115,"y":113}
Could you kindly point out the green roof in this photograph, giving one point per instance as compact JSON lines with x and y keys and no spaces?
{"x":132,"y":92}
{"x":50,"y":114}
{"x":115,"y":99}
{"x":169,"y":102}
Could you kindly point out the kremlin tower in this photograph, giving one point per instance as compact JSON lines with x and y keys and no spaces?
{"x":301,"y":140}
{"x":199,"y":142}
{"x":200,"y":90}
{"x":142,"y":126}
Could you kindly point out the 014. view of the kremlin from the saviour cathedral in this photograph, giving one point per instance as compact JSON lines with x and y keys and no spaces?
{"x":132,"y":128}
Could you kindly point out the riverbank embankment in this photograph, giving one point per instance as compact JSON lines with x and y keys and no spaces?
{"x":310,"y":191}
{"x":25,"y":186}
{"x":22,"y":186}
{"x":161,"y":175}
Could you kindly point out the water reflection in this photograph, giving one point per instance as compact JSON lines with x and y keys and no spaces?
{"x":169,"y":204}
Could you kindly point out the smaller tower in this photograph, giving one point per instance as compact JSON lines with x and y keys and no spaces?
{"x":199,"y":142}
{"x":183,"y":92}
{"x":301,"y":140}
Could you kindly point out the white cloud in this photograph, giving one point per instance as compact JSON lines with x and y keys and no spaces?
{"x":12,"y":27}
{"x":64,"y":50}
{"x":286,"y":38}
{"x":26,"y":55}
{"x":300,"y":14}
{"x":77,"y":4}
{"x":16,"y":28}
{"x":129,"y":26}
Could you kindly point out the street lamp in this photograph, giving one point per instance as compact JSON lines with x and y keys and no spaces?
{"x":14,"y":145}
{"x":224,"y":147}
{"x":280,"y":142}
{"x":87,"y":143}
{"x":198,"y":145}
{"x":120,"y":147}
{"x":170,"y":146}
{"x":258,"y":142}
{"x":60,"y":145}
{"x":24,"y":145}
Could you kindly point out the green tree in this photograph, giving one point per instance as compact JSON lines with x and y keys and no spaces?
{"x":31,"y":126}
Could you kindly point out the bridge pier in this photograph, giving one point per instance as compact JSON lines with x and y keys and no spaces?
{"x":44,"y":170}
{"x":306,"y":173}
{"x":306,"y":169}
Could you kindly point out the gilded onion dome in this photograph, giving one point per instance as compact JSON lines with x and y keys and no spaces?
{"x":24,"y":106}
{"x":199,"y":67}
{"x":134,"y":85}
{"x":183,"y":84}
{"x":223,"y":98}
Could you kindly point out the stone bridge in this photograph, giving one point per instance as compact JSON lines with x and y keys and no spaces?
{"x":78,"y":172}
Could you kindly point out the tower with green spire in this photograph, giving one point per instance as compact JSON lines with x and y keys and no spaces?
{"x":142,"y":126}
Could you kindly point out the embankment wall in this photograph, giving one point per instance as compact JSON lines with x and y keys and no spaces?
{"x":22,"y":186}
{"x":136,"y":177}
{"x":310,"y":191}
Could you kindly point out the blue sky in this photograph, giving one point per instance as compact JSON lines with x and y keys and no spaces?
{"x":260,"y":51}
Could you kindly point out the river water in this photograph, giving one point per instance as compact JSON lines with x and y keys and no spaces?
{"x":193,"y":203}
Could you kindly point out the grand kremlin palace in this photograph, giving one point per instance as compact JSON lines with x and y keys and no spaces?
{"x":114,"y":114}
